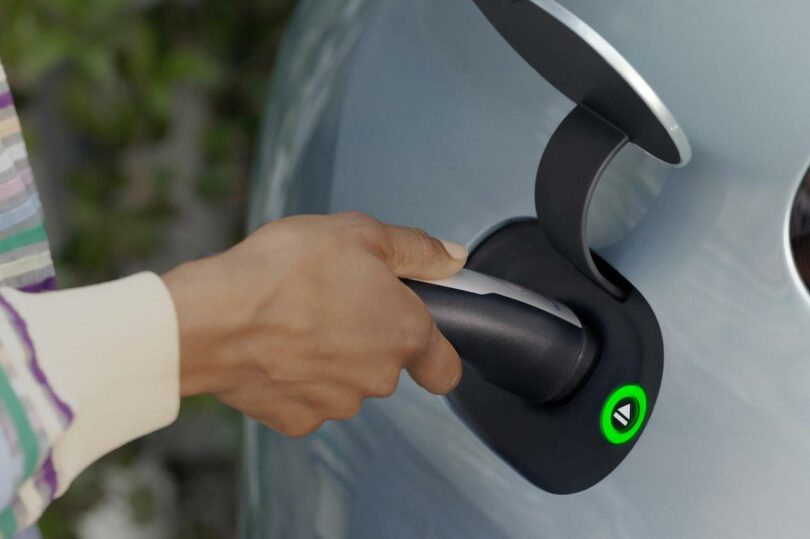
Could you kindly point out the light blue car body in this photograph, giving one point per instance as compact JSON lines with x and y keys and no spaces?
{"x":419,"y":113}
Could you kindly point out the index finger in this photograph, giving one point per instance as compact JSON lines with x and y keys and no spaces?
{"x":413,"y":253}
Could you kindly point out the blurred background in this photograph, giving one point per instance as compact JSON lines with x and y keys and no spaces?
{"x":141,"y":118}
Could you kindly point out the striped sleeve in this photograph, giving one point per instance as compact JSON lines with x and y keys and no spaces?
{"x":82,"y":371}
{"x":32,"y":419}
{"x":32,"y":415}
{"x":25,"y":258}
{"x":113,"y":350}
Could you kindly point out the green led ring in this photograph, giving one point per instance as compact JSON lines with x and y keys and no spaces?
{"x":636,"y":394}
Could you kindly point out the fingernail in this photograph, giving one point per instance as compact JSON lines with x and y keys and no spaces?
{"x":456,"y":381}
{"x":456,"y":250}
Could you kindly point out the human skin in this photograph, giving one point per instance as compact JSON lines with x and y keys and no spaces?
{"x":307,"y":318}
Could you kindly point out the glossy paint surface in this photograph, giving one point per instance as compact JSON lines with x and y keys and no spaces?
{"x":419,"y":113}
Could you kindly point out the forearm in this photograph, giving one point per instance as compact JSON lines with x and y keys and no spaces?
{"x":297,"y":325}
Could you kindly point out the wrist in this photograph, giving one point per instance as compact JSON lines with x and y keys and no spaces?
{"x":201,"y":297}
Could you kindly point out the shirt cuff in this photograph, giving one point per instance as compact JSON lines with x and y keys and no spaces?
{"x":112,"y":352}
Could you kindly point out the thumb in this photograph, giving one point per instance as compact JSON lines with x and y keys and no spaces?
{"x":412,"y":253}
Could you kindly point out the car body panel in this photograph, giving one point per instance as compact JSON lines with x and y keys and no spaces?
{"x":420,"y":114}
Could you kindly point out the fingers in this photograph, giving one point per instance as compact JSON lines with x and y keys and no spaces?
{"x":337,"y":323}
{"x":284,"y":413}
{"x":333,"y":401}
{"x":297,"y":421}
{"x":412,"y":253}
{"x":439,"y":369}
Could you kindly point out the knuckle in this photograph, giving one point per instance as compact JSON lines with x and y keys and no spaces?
{"x":348,"y":409}
{"x":359,"y":220}
{"x":374,"y":235}
{"x":386,"y":385}
{"x":416,"y":335}
{"x":302,"y":426}
{"x":421,"y":237}
{"x":284,"y":232}
{"x":356,"y":218}
{"x":422,"y":246}
{"x":366,"y":228}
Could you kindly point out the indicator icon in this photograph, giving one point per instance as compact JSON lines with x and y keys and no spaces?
{"x":623,"y":414}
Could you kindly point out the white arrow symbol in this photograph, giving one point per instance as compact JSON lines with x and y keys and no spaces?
{"x":622,"y":415}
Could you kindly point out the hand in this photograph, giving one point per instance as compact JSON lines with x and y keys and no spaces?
{"x":307,"y":317}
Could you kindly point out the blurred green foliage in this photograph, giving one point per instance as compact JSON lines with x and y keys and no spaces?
{"x":118,"y":65}
{"x":109,"y":73}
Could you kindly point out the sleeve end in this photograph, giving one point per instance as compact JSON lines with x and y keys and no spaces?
{"x":112,"y":351}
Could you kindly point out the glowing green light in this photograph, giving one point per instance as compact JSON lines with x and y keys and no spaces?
{"x":618,"y":425}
